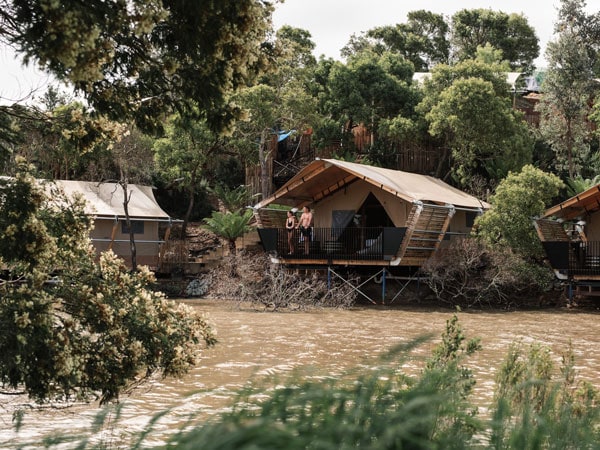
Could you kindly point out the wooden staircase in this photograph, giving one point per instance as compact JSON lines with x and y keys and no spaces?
{"x":426,"y":226}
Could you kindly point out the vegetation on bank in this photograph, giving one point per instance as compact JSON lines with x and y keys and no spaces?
{"x":75,"y":327}
{"x":176,"y":94}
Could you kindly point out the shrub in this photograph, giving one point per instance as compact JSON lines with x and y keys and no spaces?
{"x":538,"y":406}
{"x":274,"y":287}
{"x":518,"y":199}
{"x":72,"y":326}
{"x":470,"y":273}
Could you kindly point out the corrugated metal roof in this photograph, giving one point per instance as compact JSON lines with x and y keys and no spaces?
{"x":323,"y":177}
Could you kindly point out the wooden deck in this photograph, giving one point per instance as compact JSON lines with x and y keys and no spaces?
{"x":410,"y":245}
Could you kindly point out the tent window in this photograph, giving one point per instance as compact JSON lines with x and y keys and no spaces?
{"x":470,"y":218}
{"x":136,"y":225}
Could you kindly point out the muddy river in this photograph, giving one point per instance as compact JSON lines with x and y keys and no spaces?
{"x":253,"y":344}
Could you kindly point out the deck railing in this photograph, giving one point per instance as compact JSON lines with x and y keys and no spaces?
{"x":351,"y":243}
{"x":584,"y":258}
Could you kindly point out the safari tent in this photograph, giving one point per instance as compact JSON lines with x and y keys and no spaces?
{"x":365,"y":216}
{"x":570,"y":235}
{"x":104,"y":201}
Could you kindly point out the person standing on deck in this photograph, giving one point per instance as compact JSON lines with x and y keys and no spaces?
{"x":305,"y":226}
{"x":290,"y":226}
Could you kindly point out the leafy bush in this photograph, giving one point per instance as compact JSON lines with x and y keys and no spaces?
{"x":518,"y":199}
{"x":73,"y":326}
{"x":537,"y":406}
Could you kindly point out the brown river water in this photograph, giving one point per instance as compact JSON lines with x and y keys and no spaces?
{"x":253,"y":344}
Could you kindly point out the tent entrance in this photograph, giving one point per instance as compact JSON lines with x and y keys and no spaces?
{"x":373,"y":214}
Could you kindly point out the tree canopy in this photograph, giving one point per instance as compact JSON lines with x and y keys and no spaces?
{"x":74,"y":327}
{"x":136,"y":60}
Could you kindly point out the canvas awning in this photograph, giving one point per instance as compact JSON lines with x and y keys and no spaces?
{"x":323,"y":177}
{"x":577,"y":207}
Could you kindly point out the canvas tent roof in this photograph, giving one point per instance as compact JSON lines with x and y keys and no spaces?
{"x":577,"y":207}
{"x":323,"y":177}
{"x":106,"y":199}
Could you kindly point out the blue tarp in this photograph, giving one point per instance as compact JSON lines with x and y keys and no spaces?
{"x":282,"y":135}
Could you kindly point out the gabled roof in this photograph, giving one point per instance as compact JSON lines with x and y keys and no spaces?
{"x":577,"y":207}
{"x":106,"y":199}
{"x":511,"y":77}
{"x":323,"y":177}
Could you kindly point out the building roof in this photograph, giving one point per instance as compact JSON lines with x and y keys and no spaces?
{"x":106,"y":199}
{"x":511,"y":77}
{"x":323,"y":177}
{"x":578,"y":206}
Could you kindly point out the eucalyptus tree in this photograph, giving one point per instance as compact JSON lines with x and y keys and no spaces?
{"x":572,"y":16}
{"x":422,"y":40}
{"x":565,"y":105}
{"x":468,"y":108}
{"x":132,"y":158}
{"x":510,"y":33}
{"x":569,"y":89}
{"x":280,"y":101}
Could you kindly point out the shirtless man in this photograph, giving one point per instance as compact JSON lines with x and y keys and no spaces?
{"x":305,"y":226}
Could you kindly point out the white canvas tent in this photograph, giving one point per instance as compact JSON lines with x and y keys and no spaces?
{"x":104,"y":201}
{"x":428,"y":208}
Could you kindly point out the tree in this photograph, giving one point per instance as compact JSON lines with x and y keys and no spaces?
{"x":519,"y":198}
{"x":75,"y":327}
{"x":565,"y":106}
{"x":132,"y":157}
{"x":569,"y":88}
{"x":141,"y":58}
{"x":64,"y":142}
{"x":229,"y":225}
{"x":422,"y":40}
{"x":368,"y":90}
{"x":485,"y":137}
{"x":468,"y":108}
{"x":510,"y":33}
{"x":428,"y":39}
{"x":281,"y":101}
{"x":572,"y":16}
{"x":183,"y":156}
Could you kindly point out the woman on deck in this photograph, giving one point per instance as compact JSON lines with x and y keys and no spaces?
{"x":290,"y":226}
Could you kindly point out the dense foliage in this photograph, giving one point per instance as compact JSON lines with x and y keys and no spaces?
{"x":137,"y":60}
{"x":74,"y":326}
{"x":519,"y":198}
